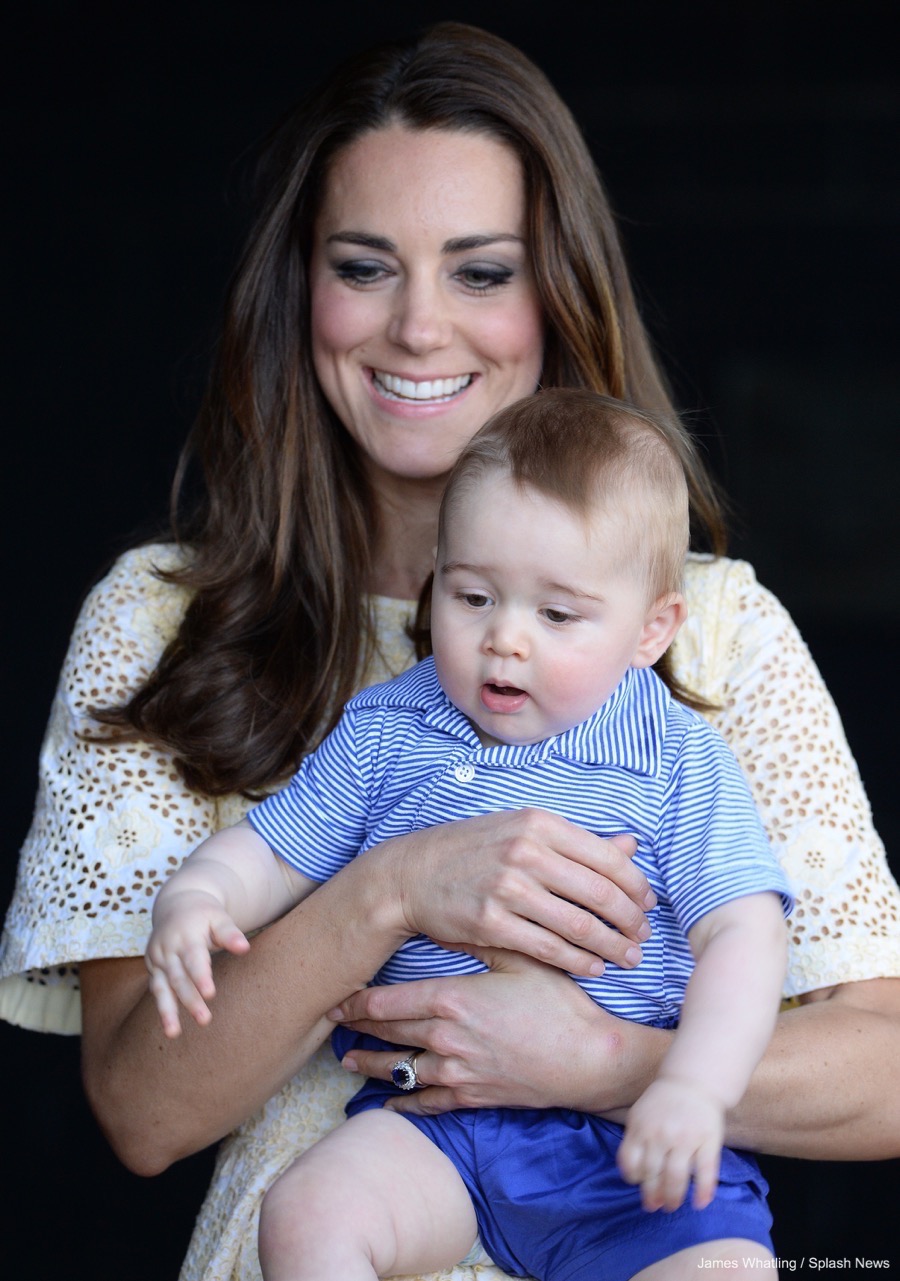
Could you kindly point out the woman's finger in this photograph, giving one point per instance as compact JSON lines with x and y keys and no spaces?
{"x":394,"y":1003}
{"x":431,"y":1101}
{"x":599,"y":876}
{"x":529,"y":881}
{"x":375,"y":1062}
{"x":433,"y":1096}
{"x":609,"y":858}
{"x":561,"y":877}
{"x":563,"y":935}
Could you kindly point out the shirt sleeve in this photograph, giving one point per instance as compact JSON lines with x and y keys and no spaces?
{"x":712,"y":847}
{"x":319,"y":821}
{"x":741,"y":649}
{"x":112,"y":818}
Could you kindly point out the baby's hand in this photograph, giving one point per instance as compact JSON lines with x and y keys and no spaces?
{"x":187,"y":926}
{"x":674,"y":1131}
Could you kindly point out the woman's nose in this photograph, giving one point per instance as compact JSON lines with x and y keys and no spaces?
{"x":421,"y":320}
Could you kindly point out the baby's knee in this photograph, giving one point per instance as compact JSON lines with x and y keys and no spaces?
{"x":275,"y":1221}
{"x":295,"y":1211}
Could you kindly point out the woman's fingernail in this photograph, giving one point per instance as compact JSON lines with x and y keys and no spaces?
{"x":649,"y":899}
{"x":349,"y":1063}
{"x":336,"y":1014}
{"x":633,"y":956}
{"x":644,"y":932}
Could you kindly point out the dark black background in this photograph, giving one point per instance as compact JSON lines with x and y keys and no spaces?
{"x":751,"y":152}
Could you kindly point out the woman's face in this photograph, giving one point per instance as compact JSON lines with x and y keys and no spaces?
{"x":425,"y":315}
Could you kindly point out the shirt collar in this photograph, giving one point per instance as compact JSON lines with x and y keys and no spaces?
{"x":627,"y":731}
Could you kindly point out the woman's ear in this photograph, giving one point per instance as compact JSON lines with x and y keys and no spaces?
{"x":661,"y":626}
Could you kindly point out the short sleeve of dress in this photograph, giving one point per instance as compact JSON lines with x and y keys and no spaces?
{"x":112,"y":817}
{"x":740,"y":649}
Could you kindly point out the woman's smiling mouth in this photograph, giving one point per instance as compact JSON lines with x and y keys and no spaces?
{"x":432,"y":390}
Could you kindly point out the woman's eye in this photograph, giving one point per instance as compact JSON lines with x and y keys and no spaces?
{"x":482,"y":279}
{"x":357,"y":272}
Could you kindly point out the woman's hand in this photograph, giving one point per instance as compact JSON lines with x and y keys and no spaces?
{"x":521,"y":1035}
{"x":527,"y":881}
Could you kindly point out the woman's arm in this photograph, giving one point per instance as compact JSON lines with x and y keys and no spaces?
{"x":158,"y":1100}
{"x":513,"y":878}
{"x":825,"y":1088}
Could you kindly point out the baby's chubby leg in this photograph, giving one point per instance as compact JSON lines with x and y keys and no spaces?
{"x":375,"y":1198}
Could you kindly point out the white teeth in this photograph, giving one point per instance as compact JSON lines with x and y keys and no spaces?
{"x":433,"y":389}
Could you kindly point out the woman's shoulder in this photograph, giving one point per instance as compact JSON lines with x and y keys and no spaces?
{"x":125,"y":622}
{"x":723,"y":600}
{"x":111,"y":815}
{"x":137,"y":580}
{"x":732,"y":619}
{"x":709,"y":581}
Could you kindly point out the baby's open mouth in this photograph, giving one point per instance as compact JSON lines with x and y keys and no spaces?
{"x":503,"y":699}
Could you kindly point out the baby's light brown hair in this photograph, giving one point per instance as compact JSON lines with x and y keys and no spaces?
{"x":596,"y":456}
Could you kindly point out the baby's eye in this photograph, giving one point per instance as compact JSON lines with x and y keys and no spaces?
{"x":482,"y":278}
{"x":360,"y":272}
{"x":559,"y":616}
{"x":475,"y":600}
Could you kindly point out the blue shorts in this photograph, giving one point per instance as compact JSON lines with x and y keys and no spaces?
{"x":550,"y":1201}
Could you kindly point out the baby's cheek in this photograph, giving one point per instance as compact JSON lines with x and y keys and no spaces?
{"x":577,"y":690}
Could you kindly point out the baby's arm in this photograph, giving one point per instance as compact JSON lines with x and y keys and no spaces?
{"x":675,"y":1129}
{"x":233,"y":882}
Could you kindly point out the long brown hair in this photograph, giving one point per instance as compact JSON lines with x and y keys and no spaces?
{"x":278,"y":629}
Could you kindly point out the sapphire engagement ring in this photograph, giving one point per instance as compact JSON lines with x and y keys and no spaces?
{"x":403,"y":1073}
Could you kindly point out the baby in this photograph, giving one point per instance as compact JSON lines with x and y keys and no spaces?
{"x":562,"y":538}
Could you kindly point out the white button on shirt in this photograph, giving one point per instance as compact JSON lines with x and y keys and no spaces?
{"x":464,"y":773}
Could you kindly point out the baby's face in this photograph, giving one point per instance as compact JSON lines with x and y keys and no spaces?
{"x":533,"y":621}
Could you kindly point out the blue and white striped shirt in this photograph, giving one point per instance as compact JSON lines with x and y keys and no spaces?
{"x":403,"y":758}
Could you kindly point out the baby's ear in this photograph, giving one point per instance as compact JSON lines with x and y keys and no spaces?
{"x":661,"y":626}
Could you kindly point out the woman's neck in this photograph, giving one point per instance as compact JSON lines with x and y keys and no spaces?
{"x":405,"y":537}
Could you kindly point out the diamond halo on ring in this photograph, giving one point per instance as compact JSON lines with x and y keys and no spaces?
{"x":403,"y":1072}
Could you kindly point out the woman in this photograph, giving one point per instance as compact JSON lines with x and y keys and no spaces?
{"x":433,"y":218}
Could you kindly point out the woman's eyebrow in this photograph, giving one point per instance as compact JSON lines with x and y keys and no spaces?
{"x":363,"y":238}
{"x":459,"y":244}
